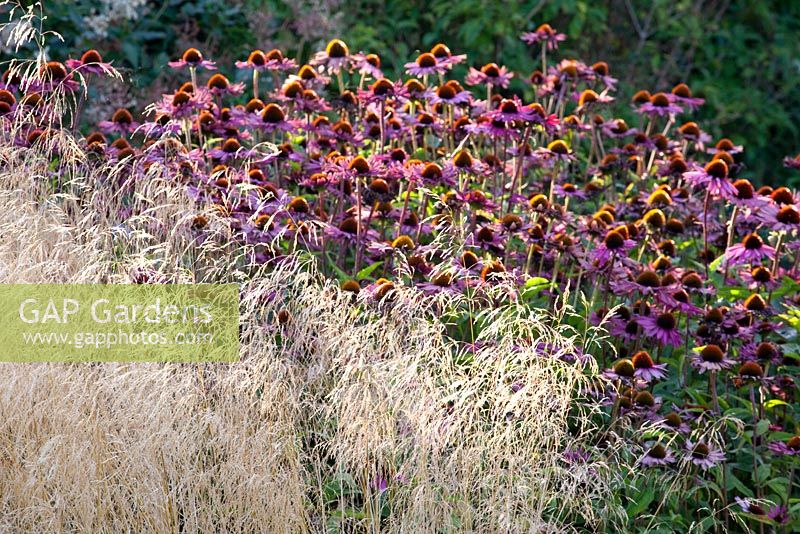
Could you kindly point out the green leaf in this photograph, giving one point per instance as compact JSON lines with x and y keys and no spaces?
{"x":714,"y":265}
{"x":762,"y":427}
{"x":366,"y":271}
{"x":640,"y":504}
{"x":732,"y":482}
{"x":772,"y":403}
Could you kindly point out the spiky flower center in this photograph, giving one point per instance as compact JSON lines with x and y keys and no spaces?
{"x":426,"y":60}
{"x":558,"y":147}
{"x":272,"y":114}
{"x":766,"y":351}
{"x":257,"y":58}
{"x":755,"y":302}
{"x":351,"y":286}
{"x":337,"y":49}
{"x":782,"y":196}
{"x":446,"y":92}
{"x":788,"y":215}
{"x":744,"y":189}
{"x":274,"y":55}
{"x":299,"y":205}
{"x":432,"y":171}
{"x":624,"y":368}
{"x":725,"y":144}
{"x":382,"y":87}
{"x":648,"y":279}
{"x":673,"y":419}
{"x":122,"y":116}
{"x":700,"y":451}
{"x":492,"y":271}
{"x":469,"y":259}
{"x":659,"y":100}
{"x":717,"y":169}
{"x":712,"y":354}
{"x":690,"y":128}
{"x":91,"y":56}
{"x":218,"y":81}
{"x":752,"y":242}
{"x":193,"y":55}
{"x":751,"y":369}
{"x":54,"y":70}
{"x":509,"y":106}
{"x":682,"y":90}
{"x":642,"y":360}
{"x":614,"y":240}
{"x":403,"y":242}
{"x":230,"y":146}
{"x":491,"y":70}
{"x":666,"y":321}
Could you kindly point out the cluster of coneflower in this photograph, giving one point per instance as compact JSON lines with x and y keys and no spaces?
{"x":459,"y":187}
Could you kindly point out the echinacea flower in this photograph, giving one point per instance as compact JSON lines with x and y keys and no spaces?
{"x":426,"y":64}
{"x":703,"y":454}
{"x":121,"y":122}
{"x":544,"y":34}
{"x":269,"y":61}
{"x":90,"y":62}
{"x":334,"y":58}
{"x":659,"y":105}
{"x":657,"y":455}
{"x":193,"y":58}
{"x":53,"y":76}
{"x":450,"y":93}
{"x":646,"y":369}
{"x":792,"y":162}
{"x":682,"y":95}
{"x":663,"y":328}
{"x":786,"y":218}
{"x":711,"y":358}
{"x":790,"y":447}
{"x":616,"y":243}
{"x":712,"y":178}
{"x":490,"y":74}
{"x":751,"y":250}
{"x":368,"y":65}
{"x":444,"y":56}
{"x":219,"y":85}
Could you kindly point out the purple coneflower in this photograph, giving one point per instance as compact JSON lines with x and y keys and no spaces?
{"x":646,"y":369}
{"x":711,"y":358}
{"x":713,"y":178}
{"x":194,"y":59}
{"x":426,"y":64}
{"x":703,"y":455}
{"x":90,"y":62}
{"x":490,"y":74}
{"x":121,"y":123}
{"x":368,"y":65}
{"x":335,"y":56}
{"x":445,"y":56}
{"x":657,"y":455}
{"x":681,"y":94}
{"x":544,"y":34}
{"x":751,"y":250}
{"x":659,"y":105}
{"x":790,"y":447}
{"x":663,"y":328}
